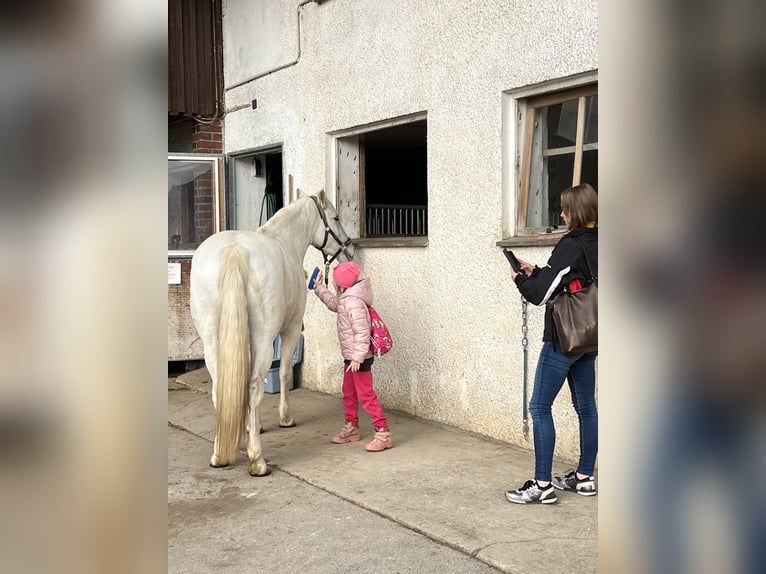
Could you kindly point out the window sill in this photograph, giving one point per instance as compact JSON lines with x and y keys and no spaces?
{"x":390,"y":242}
{"x":545,"y":240}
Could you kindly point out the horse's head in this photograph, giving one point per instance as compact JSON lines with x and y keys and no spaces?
{"x":331,"y":239}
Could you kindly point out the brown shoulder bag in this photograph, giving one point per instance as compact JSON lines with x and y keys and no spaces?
{"x":575,"y":314}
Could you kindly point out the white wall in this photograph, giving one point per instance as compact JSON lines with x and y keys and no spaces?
{"x":454,"y":314}
{"x":257,"y":35}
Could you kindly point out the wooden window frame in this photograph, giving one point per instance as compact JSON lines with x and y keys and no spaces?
{"x":532,"y":105}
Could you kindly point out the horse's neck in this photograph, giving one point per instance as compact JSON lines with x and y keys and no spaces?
{"x":292,"y":227}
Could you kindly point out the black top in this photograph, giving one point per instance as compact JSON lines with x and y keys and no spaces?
{"x":567,"y":262}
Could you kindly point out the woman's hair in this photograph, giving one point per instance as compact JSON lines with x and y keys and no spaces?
{"x":580,"y":203}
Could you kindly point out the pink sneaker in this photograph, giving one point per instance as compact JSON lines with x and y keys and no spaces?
{"x":349,"y":433}
{"x":381,"y":441}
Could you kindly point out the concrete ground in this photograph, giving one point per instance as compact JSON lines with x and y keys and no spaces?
{"x":433,"y":504}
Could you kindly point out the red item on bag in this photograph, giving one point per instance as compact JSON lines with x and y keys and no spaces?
{"x":575,"y":285}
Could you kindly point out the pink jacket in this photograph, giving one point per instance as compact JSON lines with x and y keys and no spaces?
{"x":353,"y":318}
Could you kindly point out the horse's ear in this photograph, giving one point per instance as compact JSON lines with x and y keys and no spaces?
{"x":298,"y":191}
{"x":322,"y":197}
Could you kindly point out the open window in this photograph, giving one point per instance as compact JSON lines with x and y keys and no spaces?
{"x":557,"y":138}
{"x":381,"y":178}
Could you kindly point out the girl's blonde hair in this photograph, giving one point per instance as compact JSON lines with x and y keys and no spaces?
{"x":580,"y":203}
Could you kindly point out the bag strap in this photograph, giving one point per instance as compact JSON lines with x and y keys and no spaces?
{"x":593,"y":277}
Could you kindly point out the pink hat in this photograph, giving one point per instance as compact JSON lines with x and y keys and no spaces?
{"x":345,"y":274}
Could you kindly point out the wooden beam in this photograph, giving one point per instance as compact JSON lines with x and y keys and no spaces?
{"x":526,"y":166}
{"x":362,"y":192}
{"x":577,"y":171}
{"x":563,"y":96}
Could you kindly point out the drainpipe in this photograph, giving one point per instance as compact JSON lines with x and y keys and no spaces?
{"x":288,"y":64}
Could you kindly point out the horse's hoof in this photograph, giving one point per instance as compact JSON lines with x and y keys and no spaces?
{"x":216,"y":464}
{"x":288,"y":424}
{"x":256,"y":469}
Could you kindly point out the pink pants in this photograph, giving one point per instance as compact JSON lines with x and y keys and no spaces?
{"x":358,"y":387}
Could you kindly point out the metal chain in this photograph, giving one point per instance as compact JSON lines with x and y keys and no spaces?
{"x":524,"y":340}
{"x":524,"y":343}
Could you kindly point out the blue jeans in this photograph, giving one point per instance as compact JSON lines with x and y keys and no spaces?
{"x":552,"y":368}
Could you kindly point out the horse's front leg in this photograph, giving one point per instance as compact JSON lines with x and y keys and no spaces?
{"x":257,"y":465}
{"x":285,"y":372}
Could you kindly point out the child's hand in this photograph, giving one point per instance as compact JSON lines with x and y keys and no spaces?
{"x":353,"y":366}
{"x":319,"y":279}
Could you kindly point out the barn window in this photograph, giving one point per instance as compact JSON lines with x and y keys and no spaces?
{"x":194,"y":201}
{"x":381,"y":179}
{"x":550,"y":143}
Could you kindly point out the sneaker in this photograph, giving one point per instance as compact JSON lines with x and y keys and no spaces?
{"x":349,"y":433}
{"x":381,"y":441}
{"x":586,"y":486}
{"x":532,"y":492}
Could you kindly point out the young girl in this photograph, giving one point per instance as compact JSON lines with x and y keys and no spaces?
{"x":354,"y":333}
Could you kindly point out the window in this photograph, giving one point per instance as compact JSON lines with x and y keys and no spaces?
{"x":194,"y":204}
{"x":558,"y":147}
{"x":381,"y":179}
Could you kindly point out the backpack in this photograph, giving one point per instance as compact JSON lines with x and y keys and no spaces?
{"x":380,"y":336}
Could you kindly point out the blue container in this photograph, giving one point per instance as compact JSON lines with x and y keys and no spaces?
{"x":297,"y":354}
{"x":272,"y":380}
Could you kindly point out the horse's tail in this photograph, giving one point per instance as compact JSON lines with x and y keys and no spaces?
{"x":233,"y":354}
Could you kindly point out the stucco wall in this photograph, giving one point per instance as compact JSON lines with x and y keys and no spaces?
{"x":454,"y":315}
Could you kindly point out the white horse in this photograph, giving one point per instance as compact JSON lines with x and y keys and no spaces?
{"x":247,"y":287}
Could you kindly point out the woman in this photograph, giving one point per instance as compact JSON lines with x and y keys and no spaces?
{"x":566,"y":267}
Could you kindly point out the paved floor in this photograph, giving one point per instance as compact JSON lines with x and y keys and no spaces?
{"x":433,"y":503}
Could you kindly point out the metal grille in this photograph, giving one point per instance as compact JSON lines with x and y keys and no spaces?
{"x":396,"y":220}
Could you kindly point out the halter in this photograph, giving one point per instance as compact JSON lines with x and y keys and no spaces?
{"x":328,"y":232}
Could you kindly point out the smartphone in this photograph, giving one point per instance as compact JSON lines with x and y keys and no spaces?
{"x":313,"y":277}
{"x":515,"y":265}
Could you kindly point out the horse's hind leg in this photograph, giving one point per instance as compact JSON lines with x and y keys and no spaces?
{"x":263,"y":354}
{"x":243,"y":432}
{"x":289,"y":341}
{"x":246,"y":430}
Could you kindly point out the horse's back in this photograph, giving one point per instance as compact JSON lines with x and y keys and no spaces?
{"x":274,"y":282}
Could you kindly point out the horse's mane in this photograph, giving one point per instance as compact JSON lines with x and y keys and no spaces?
{"x":289,"y":210}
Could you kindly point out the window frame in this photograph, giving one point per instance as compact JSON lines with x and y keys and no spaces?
{"x":519,"y":110}
{"x":216,"y":161}
{"x":354,"y":227}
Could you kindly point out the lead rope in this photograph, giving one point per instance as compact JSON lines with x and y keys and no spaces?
{"x":524,"y":341}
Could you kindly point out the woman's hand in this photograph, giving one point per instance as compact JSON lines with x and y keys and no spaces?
{"x":526,"y":267}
